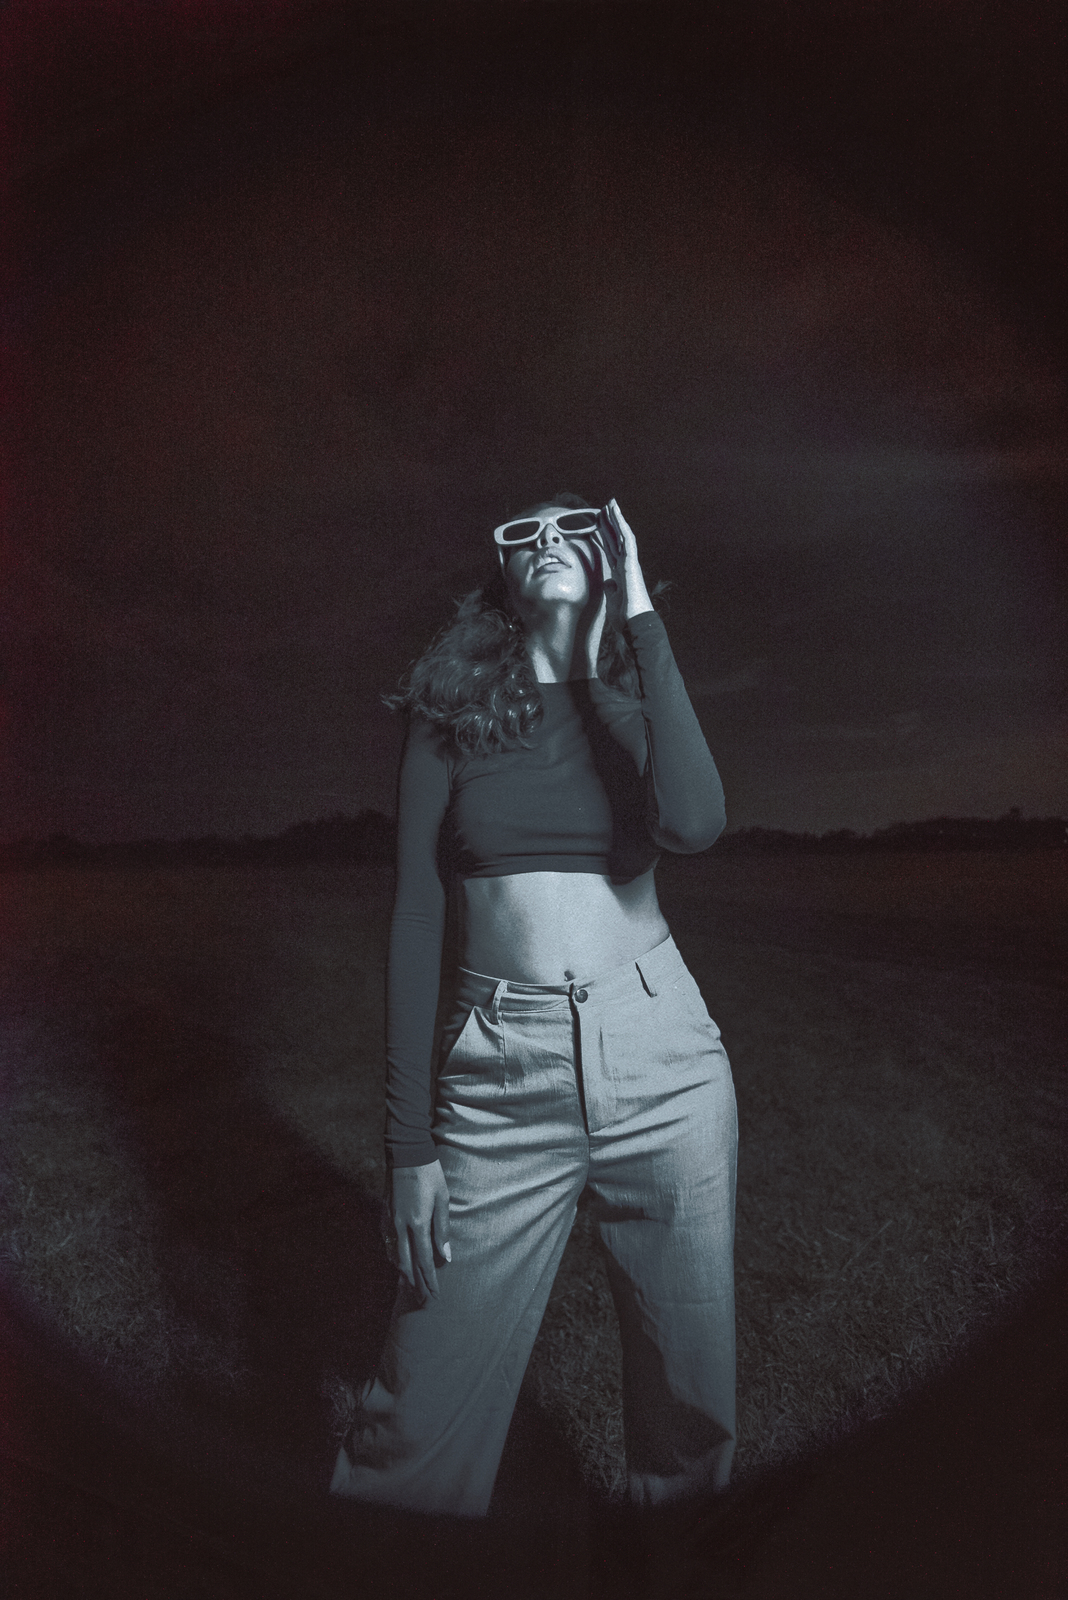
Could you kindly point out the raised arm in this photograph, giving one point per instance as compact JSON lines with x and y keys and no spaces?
{"x":690,"y":813}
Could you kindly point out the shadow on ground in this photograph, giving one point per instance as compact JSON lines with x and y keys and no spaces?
{"x":263,"y":1246}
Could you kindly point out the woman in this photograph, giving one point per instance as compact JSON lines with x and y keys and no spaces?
{"x":579,"y":1055}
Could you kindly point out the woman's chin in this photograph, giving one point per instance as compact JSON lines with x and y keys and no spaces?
{"x":561,"y":583}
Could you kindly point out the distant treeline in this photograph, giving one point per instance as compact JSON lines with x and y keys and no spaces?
{"x":372,"y":836}
{"x":1011,"y":832}
{"x":367,"y":837}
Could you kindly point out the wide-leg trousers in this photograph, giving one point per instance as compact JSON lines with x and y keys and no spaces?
{"x":619,"y":1085}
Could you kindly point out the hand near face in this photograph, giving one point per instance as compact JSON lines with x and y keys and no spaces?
{"x":628,"y":570}
{"x":624,"y":576}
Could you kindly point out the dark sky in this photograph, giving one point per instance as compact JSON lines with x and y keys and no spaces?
{"x":306,"y":298}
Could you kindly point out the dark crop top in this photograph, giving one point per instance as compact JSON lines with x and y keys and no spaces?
{"x":606,"y":780}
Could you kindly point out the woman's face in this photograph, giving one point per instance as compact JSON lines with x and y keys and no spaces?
{"x":551,"y":570}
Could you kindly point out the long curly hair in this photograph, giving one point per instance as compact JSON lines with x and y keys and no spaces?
{"x":474,"y":681}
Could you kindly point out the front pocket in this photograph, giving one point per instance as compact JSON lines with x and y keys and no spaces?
{"x":451,"y":1035}
{"x":473,"y":1053}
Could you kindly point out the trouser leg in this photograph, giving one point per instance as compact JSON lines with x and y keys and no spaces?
{"x":431,"y":1426}
{"x":663,"y":1176}
{"x":670,"y":1276}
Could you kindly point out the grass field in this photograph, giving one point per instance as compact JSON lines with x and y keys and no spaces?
{"x":192,"y":1106}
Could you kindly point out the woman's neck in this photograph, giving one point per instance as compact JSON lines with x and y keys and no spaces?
{"x":553,"y":646}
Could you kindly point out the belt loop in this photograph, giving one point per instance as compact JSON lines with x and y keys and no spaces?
{"x":495,"y":1003}
{"x":650,"y":988}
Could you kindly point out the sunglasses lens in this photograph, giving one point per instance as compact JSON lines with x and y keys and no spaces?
{"x":516,"y":532}
{"x":577,"y":522}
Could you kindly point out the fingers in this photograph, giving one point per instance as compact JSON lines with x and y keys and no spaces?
{"x":626,"y":562}
{"x":421,"y":1220}
{"x":627,"y":542}
{"x":608,"y":542}
{"x":402,"y":1255}
{"x":425,"y":1273}
{"x":439,"y":1224}
{"x":636,"y":597}
{"x":624,"y":528}
{"x":414,"y":1256}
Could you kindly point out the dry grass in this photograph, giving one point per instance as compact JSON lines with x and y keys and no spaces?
{"x":902,"y":1120}
{"x":901,"y":1176}
{"x":81,"y":1226}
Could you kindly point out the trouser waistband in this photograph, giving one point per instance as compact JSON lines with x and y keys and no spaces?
{"x":497,"y":995}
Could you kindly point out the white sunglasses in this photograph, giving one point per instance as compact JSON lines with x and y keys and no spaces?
{"x":524,"y":530}
{"x":583,"y":524}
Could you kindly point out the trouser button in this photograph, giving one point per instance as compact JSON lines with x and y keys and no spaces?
{"x":581,"y":994}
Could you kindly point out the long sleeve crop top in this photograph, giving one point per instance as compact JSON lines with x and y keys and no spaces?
{"x":606,"y":780}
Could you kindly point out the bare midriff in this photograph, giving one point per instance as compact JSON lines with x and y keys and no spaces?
{"x":556,"y":927}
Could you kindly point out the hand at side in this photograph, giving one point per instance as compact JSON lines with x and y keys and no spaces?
{"x":419,"y":1206}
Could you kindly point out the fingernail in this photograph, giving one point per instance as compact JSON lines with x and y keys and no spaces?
{"x":446,"y":1251}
